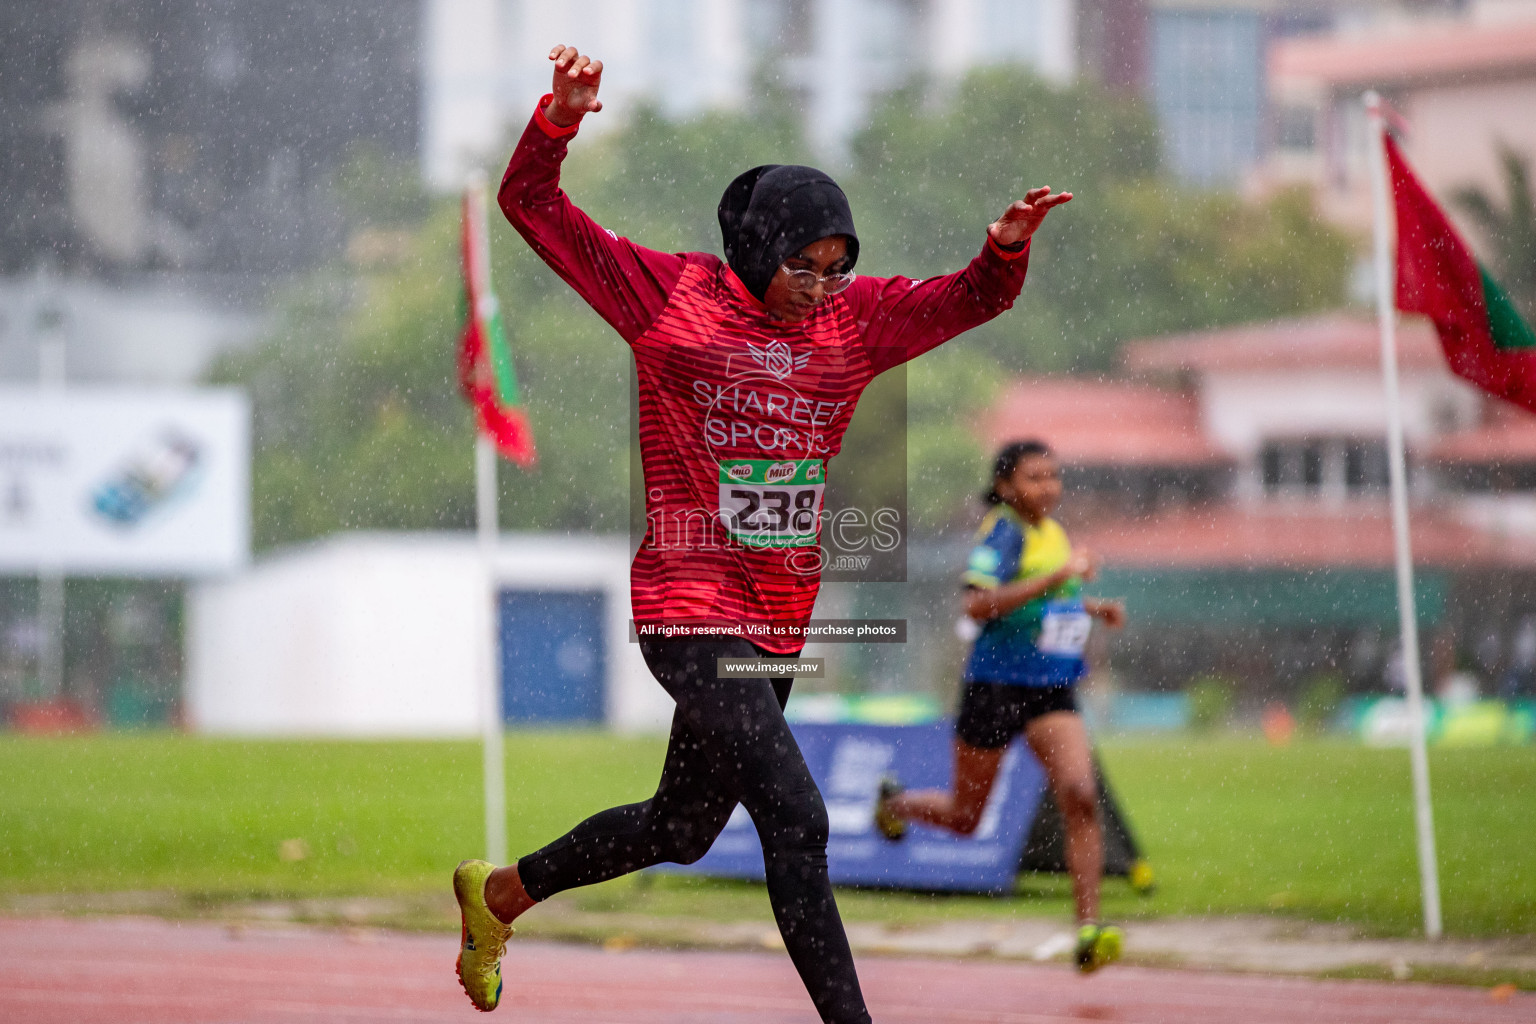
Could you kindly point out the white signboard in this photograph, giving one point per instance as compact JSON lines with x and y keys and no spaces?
{"x":112,"y":480}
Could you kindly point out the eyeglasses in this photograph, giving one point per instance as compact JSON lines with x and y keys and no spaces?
{"x":804,"y":280}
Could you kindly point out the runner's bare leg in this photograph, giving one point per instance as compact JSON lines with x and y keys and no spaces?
{"x":1060,"y":741}
{"x":959,"y":808}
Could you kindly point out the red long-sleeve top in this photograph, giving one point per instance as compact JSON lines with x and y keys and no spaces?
{"x":739,"y":413}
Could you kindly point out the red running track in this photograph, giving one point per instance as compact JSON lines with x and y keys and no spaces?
{"x":140,"y":971}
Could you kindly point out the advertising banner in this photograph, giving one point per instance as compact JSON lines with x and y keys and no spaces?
{"x":847,"y":762}
{"x":120,"y":481}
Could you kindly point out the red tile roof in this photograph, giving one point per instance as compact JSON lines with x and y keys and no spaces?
{"x":1423,"y":53}
{"x":1327,"y":342}
{"x":1296,"y":537}
{"x":1096,"y":422}
{"x":1509,"y":435}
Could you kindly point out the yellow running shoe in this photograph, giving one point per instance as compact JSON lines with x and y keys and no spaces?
{"x":484,"y":937}
{"x":1142,"y":879}
{"x":887,"y":822}
{"x":1097,"y":946}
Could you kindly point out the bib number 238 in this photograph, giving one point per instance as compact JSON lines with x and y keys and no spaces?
{"x":768,"y":503}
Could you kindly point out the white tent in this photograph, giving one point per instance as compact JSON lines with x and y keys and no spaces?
{"x":383,"y":634}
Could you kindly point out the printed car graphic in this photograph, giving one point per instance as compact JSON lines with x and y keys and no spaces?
{"x":162,"y":469}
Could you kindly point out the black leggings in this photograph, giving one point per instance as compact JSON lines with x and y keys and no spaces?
{"x":729,"y":744}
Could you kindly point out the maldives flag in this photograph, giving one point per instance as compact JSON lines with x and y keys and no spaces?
{"x":485,"y":361}
{"x":1484,"y":338}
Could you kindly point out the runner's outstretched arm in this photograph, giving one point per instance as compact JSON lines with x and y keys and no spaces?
{"x":902,"y":318}
{"x":627,"y":284}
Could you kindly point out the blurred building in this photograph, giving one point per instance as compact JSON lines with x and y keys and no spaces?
{"x":156,"y":330}
{"x":167,"y":161}
{"x":1235,"y":484}
{"x":165,"y":164}
{"x":1464,"y":85}
{"x":193,"y":134}
{"x":485,"y":63}
{"x":1200,"y":65}
{"x":1206,"y":67}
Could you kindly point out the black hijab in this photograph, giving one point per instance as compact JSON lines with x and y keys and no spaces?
{"x":772,"y":212}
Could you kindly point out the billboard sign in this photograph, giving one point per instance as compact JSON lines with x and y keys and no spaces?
{"x":124,"y":481}
{"x":847,"y":762}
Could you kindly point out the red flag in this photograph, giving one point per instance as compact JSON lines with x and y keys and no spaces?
{"x":1483,"y":336}
{"x":485,"y":362}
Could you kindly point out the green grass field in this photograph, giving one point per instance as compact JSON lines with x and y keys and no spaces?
{"x":1320,"y":829}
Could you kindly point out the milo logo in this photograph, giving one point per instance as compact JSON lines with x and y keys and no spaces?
{"x":779,"y":472}
{"x":740,"y":471}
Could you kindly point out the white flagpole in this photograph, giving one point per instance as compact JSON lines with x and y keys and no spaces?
{"x":52,"y":373}
{"x":487,"y":523}
{"x":1386,"y":313}
{"x":494,"y":758}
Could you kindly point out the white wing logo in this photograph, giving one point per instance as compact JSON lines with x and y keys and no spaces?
{"x":777,"y":358}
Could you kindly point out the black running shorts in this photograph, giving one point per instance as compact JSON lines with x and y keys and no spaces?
{"x":991,"y":714}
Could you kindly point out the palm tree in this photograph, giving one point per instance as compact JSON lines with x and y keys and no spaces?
{"x":1511,"y":230}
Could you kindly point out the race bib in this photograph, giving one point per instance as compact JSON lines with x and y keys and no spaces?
{"x":772,"y":503}
{"x":1064,"y":629}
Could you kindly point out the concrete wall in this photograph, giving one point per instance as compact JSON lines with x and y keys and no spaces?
{"x":1242,"y":410}
{"x":1457,"y":130}
{"x":385,"y":635}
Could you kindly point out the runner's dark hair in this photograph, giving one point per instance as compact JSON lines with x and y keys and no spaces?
{"x":1007,"y":460}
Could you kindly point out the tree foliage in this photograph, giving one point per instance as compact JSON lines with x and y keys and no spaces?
{"x":1132,"y":255}
{"x":1511,"y":227}
{"x":359,"y":423}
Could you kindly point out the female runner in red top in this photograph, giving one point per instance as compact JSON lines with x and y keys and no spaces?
{"x":749,"y":370}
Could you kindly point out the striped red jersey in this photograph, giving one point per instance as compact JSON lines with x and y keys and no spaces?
{"x":739,"y":413}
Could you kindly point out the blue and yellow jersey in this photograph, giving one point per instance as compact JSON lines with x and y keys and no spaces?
{"x":1040,"y":643}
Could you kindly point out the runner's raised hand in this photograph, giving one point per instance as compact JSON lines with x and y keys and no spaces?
{"x":1083,"y":564}
{"x":577,"y":78}
{"x":1111,"y":613}
{"x":1021,"y":219}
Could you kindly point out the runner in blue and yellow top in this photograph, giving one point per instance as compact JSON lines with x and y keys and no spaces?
{"x":1024,"y":587}
{"x":1039,"y":643}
